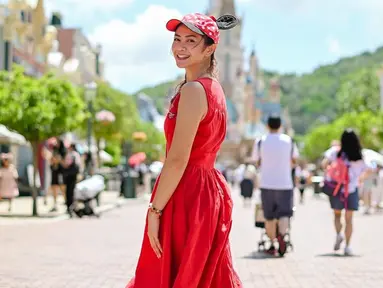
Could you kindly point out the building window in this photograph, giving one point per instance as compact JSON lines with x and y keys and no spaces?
{"x":227,"y":67}
{"x":22,"y":16}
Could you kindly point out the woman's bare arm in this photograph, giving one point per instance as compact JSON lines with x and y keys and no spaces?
{"x":192,"y":108}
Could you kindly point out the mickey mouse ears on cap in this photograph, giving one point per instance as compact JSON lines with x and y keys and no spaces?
{"x":204,"y":25}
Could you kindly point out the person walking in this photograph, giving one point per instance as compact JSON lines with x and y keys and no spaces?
{"x":71,"y":168}
{"x":248,"y":183}
{"x":368,"y":187}
{"x":276,"y":154}
{"x":186,"y":239}
{"x":8,"y":179}
{"x":350,"y":151}
{"x":56,"y":172}
{"x":302,"y":179}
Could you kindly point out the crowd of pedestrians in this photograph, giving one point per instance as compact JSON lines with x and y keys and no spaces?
{"x":65,"y":163}
{"x":277,"y":170}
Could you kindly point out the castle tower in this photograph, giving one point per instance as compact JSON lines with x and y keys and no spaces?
{"x":229,"y":52}
{"x":229,"y":55}
{"x":214,"y":7}
{"x":38,"y":22}
{"x":253,"y":65}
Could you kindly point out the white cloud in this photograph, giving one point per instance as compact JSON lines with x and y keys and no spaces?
{"x":334,"y":46}
{"x":138,"y":53}
{"x":284,"y":5}
{"x":336,"y":8}
{"x":83,"y":5}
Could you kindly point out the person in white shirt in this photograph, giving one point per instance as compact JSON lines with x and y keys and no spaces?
{"x":275,"y":154}
{"x":302,"y":179}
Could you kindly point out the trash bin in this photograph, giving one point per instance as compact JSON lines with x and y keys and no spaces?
{"x":152,"y":183}
{"x":317,"y":180}
{"x":128,"y":184}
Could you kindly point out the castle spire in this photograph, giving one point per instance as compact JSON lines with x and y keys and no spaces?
{"x":38,"y":21}
{"x":227,"y":7}
{"x":214,"y":7}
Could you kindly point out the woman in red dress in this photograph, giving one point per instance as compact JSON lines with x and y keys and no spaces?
{"x":186,"y":241}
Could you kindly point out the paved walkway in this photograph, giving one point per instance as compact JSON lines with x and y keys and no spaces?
{"x":102,"y":253}
{"x":22,"y":206}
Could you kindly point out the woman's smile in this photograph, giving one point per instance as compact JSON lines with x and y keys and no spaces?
{"x":182,"y":56}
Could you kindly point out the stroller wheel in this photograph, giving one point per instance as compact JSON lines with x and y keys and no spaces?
{"x":261,"y":247}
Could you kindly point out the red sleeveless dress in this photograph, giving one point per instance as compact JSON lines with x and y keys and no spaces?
{"x":196,"y":222}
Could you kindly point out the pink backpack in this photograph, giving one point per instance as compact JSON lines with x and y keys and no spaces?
{"x":336,"y":177}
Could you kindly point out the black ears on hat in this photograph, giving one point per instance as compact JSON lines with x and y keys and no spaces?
{"x":227,"y":21}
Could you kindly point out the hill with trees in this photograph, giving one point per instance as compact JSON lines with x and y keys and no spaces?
{"x":311,"y":98}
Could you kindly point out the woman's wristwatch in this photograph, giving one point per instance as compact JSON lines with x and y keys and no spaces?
{"x":154,"y":210}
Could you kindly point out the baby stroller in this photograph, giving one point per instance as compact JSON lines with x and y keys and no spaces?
{"x":86,"y":191}
{"x":260,"y":223}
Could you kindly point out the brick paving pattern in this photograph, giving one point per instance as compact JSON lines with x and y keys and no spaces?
{"x":102,"y":253}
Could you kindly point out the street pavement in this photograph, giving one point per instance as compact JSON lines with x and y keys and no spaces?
{"x":95,"y":253}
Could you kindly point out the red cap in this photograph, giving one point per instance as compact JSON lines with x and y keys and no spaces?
{"x":198,"y":23}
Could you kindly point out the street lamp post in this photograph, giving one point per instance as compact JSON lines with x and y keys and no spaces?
{"x":90,"y":94}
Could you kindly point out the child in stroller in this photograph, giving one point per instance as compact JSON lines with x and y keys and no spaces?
{"x":84,"y":193}
{"x":265,"y":241}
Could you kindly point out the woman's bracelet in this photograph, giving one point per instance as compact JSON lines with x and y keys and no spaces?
{"x":154,"y":210}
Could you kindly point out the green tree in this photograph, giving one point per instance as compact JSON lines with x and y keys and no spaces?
{"x":359,"y":92}
{"x":38,"y":109}
{"x":368,"y":125}
{"x":124,"y":109}
{"x":154,"y":145}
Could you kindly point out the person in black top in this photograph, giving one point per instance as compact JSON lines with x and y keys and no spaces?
{"x":71,"y":165}
{"x":56,"y":170}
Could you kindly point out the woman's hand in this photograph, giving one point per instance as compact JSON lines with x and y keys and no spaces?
{"x":153,"y":230}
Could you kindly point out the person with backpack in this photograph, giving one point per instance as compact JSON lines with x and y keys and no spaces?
{"x":345,"y":171}
{"x":275,"y":155}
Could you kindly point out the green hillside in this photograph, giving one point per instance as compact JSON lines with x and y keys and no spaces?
{"x":310,"y":98}
{"x":158,"y":93}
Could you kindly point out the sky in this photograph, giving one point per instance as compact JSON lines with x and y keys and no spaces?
{"x":287,"y":35}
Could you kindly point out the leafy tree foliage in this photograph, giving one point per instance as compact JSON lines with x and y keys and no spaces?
{"x":359,"y":92}
{"x":38,"y":109}
{"x":368,"y":125}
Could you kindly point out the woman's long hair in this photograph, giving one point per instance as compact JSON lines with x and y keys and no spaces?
{"x":350,"y":146}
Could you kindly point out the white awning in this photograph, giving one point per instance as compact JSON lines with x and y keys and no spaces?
{"x":9,"y":137}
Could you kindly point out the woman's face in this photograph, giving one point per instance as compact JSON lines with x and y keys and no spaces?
{"x":189,"y":48}
{"x":5,"y":162}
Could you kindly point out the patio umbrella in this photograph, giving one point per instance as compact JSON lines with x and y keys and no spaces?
{"x":371,"y":156}
{"x":105,"y":116}
{"x":137,"y":159}
{"x":9,"y":137}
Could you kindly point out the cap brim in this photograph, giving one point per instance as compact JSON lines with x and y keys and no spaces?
{"x":173,"y":24}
